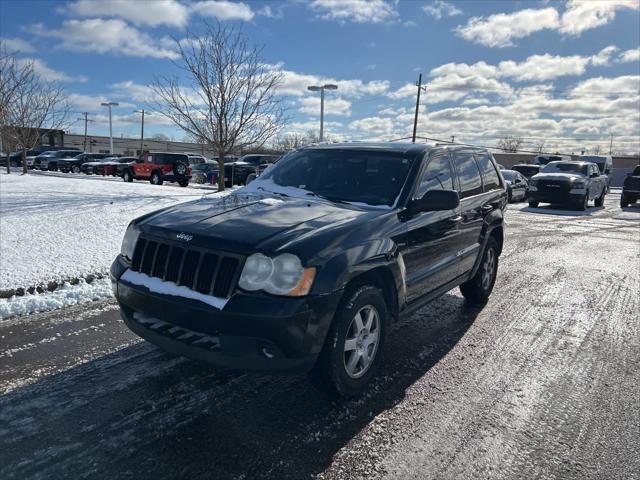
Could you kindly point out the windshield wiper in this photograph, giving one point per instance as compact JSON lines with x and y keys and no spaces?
{"x":324,"y":197}
{"x":275,"y":193}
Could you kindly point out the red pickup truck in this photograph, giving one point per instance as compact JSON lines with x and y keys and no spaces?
{"x":159,"y":167}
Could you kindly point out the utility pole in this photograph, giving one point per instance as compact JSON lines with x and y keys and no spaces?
{"x":109,"y":105}
{"x":453,"y":139}
{"x":322,"y":88}
{"x":611,"y":144}
{"x":86,"y":121}
{"x":415,"y":120}
{"x":142,"y":129}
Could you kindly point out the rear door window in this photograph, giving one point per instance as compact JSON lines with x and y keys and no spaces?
{"x":489,"y":173}
{"x":468,"y":174}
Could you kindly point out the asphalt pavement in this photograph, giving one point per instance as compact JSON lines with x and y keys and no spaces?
{"x":543,"y":382}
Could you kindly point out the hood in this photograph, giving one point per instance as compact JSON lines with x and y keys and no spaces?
{"x":245,"y":222}
{"x":571,"y":177}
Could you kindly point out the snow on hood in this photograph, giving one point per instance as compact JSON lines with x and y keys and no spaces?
{"x":558,"y":176}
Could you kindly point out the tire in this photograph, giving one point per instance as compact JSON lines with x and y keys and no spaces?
{"x":183,"y":183}
{"x":179,"y":169}
{"x":624,"y":201}
{"x":478,"y":289}
{"x":127,"y":177}
{"x":509,"y":196}
{"x":533,"y":204}
{"x":345,"y":368}
{"x":583,"y":203}
{"x":155,"y":178}
{"x":75,"y":169}
{"x":599,"y":202}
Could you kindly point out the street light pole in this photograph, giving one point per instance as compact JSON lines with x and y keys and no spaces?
{"x":322,"y":88}
{"x":110,"y":104}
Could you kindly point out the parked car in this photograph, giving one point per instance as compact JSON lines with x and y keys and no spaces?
{"x":527,"y":170}
{"x":544,"y":159}
{"x":205,"y":173}
{"x":517,"y":185}
{"x":568,"y":183}
{"x":237,"y":171}
{"x":631,"y":188}
{"x":196,"y":159}
{"x":604,"y":162}
{"x":307,"y":267}
{"x":259,"y":171}
{"x":74,"y":164}
{"x":49,"y":160}
{"x":159,"y":167}
{"x":109,"y":166}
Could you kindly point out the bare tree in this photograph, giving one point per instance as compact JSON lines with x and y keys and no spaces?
{"x":35,"y":107}
{"x":226,"y":97}
{"x":596,"y":150}
{"x":510,"y":144}
{"x":539,"y":146}
{"x":12,"y":76}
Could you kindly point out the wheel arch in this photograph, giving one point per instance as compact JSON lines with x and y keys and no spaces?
{"x":381,"y":277}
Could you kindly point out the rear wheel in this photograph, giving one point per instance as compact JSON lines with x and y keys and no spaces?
{"x":75,"y":169}
{"x":127,"y":177}
{"x":353,"y":347}
{"x":477,"y":290}
{"x":183,"y":183}
{"x":155,"y":179}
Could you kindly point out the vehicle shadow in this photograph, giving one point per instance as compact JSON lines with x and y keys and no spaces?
{"x":141,"y":413}
{"x":556,"y":210}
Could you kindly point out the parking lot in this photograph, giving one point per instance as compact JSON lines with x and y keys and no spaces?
{"x":542,"y":382}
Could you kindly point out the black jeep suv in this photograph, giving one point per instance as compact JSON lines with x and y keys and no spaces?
{"x":307,"y":266}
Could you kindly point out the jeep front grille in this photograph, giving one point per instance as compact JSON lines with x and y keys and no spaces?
{"x":210,"y":273}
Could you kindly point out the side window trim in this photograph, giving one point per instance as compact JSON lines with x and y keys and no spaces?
{"x":423,"y":169}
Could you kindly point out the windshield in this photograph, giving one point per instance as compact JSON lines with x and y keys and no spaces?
{"x":566,"y":167}
{"x":365,"y":177}
{"x":203,"y":167}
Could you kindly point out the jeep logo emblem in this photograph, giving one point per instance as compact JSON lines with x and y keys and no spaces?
{"x":184,"y":237}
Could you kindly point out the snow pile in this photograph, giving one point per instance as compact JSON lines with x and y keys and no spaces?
{"x":57,"y":228}
{"x":61,"y":297}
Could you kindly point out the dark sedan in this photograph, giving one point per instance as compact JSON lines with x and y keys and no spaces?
{"x":74,"y":164}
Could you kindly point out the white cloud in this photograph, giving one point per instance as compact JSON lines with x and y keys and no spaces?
{"x":581,"y":15}
{"x":224,"y":10}
{"x":49,"y":74}
{"x":269,"y":12}
{"x":295,"y":84}
{"x":104,"y":36}
{"x":359,"y":11}
{"x":157,"y":12}
{"x":608,"y":86}
{"x":603,"y":57}
{"x":632,"y":55}
{"x":379,"y":125}
{"x":17,"y":45}
{"x":544,"y":67}
{"x":440,"y":8}
{"x":501,"y":29}
{"x":91,"y":103}
{"x":332,"y":106}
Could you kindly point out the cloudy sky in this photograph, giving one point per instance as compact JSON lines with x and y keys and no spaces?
{"x":563,"y":73}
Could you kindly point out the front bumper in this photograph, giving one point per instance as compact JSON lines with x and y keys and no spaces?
{"x":252,"y":332}
{"x":559,"y":197}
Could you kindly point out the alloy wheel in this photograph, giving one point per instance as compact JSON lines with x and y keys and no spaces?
{"x":488,"y":269}
{"x":361,"y":342}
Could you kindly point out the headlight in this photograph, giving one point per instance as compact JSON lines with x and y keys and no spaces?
{"x":129,"y":241}
{"x":578,"y":185}
{"x":282,"y":275}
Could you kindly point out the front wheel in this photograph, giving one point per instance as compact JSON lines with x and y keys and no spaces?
{"x":583,"y":203}
{"x":353,"y":348}
{"x":75,"y":169}
{"x":533,"y":204}
{"x":599,"y":202}
{"x":477,"y":290}
{"x":127,"y":177}
{"x":624,"y":201}
{"x":183,"y":183}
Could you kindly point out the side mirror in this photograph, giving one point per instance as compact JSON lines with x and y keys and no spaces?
{"x":435,"y":200}
{"x":517,"y":180}
{"x":594,"y":174}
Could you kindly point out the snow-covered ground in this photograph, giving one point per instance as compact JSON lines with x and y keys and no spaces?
{"x":59,"y":227}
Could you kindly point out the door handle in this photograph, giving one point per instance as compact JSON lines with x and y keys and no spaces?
{"x":454,"y":220}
